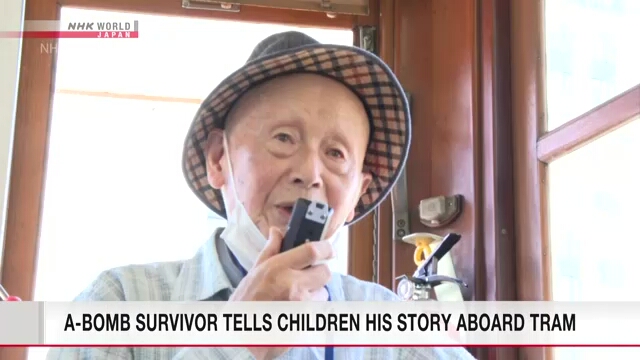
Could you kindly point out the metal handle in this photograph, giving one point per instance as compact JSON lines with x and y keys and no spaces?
{"x":446,"y":245}
{"x":210,"y":5}
{"x":429,"y":267}
{"x":400,"y":201}
{"x":4,"y":295}
{"x":400,"y":205}
{"x":435,"y":280}
{"x":421,"y":288}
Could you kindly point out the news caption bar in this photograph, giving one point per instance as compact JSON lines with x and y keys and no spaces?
{"x":44,"y":29}
{"x":397,"y":324}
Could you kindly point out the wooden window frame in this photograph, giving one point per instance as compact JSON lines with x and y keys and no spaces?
{"x":432,"y":45}
{"x":505,"y":247}
{"x":535,"y":148}
{"x":489,"y":98}
{"x":35,"y":91}
{"x":589,"y":126}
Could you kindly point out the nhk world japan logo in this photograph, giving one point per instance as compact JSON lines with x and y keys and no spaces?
{"x":37,"y":29}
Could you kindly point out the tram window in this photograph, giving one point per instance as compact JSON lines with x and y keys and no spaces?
{"x":593,"y":201}
{"x":593,"y":191}
{"x":114,"y":192}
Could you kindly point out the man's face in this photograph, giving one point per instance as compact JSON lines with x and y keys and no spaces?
{"x":297,"y":136}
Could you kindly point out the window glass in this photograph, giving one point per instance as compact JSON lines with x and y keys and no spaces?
{"x":593,"y":201}
{"x":591,"y":54}
{"x":174,"y":56}
{"x":591,"y":57}
{"x":594,"y":242}
{"x":114,"y":191}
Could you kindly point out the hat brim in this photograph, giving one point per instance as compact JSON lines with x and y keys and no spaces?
{"x":361,"y":71}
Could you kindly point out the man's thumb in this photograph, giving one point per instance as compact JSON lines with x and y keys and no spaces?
{"x":272,"y":248}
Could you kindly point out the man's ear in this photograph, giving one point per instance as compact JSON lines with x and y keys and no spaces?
{"x":366,"y":180}
{"x":214,"y":152}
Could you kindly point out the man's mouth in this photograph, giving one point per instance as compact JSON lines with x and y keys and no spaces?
{"x":285,"y":209}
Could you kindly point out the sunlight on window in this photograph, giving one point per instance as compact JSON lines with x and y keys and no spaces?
{"x":591,"y":54}
{"x":115,"y":194}
{"x":174,"y":57}
{"x":593,"y":197}
{"x":596,"y":185}
{"x":591,"y":57}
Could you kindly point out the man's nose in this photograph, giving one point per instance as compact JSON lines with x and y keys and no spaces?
{"x":306,"y":171}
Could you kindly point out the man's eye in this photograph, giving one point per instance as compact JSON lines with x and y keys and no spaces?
{"x":336,"y":153}
{"x":284,"y":137}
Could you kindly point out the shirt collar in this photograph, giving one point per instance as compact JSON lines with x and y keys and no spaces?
{"x":335,"y":287}
{"x":203,"y":276}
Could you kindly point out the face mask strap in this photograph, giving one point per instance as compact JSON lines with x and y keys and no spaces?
{"x":242,"y":236}
{"x":227,"y":155}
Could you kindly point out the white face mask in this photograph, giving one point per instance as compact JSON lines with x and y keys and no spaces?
{"x":241,"y":234}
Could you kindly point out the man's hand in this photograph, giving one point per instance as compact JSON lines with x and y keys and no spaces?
{"x":290,"y":276}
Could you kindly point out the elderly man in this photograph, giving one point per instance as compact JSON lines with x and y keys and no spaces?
{"x":299,"y":119}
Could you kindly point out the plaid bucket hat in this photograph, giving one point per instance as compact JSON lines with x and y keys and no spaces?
{"x":292,"y":53}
